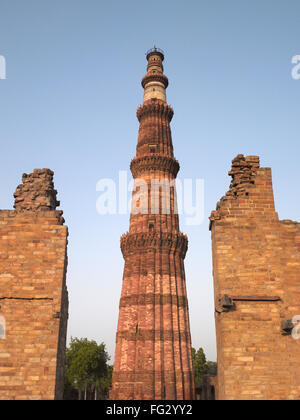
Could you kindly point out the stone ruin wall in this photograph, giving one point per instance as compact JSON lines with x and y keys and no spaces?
{"x":256,"y":262}
{"x":33,"y":293}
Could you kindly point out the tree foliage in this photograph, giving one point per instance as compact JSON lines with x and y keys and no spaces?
{"x":212,"y":368}
{"x":202,"y":367}
{"x":87,"y":370}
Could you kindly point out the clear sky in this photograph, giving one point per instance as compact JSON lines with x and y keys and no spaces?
{"x":69,"y":102}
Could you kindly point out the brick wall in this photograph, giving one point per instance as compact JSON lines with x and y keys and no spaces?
{"x":33,"y":293}
{"x":256,"y":262}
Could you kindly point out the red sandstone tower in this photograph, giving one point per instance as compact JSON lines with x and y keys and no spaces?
{"x":153,"y":357}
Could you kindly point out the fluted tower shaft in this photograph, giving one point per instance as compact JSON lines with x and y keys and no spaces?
{"x":153,"y":358}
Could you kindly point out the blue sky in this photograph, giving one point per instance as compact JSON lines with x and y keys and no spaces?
{"x":69,"y":102}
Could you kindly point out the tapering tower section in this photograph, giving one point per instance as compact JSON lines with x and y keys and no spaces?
{"x":153,"y":358}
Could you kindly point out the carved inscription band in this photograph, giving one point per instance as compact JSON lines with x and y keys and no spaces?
{"x":154,"y":163}
{"x":153,"y":299}
{"x":153,"y":335}
{"x":155,"y":108}
{"x":170,"y":242}
{"x":146,"y":375}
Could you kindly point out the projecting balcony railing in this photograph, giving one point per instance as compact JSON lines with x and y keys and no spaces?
{"x":155,"y":50}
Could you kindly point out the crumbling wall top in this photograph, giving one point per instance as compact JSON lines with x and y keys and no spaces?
{"x":37,"y":192}
{"x":243,"y":171}
{"x":251,"y":183}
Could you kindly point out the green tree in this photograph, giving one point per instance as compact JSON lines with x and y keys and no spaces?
{"x":86,"y":369}
{"x":200,"y":366}
{"x":105,"y":383}
{"x":212,"y":368}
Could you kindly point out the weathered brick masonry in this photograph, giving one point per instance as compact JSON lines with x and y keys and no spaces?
{"x":33,"y":293}
{"x":256,"y":263}
{"x":153,"y":347}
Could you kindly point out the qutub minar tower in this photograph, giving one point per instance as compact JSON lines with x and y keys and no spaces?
{"x":153,"y":358}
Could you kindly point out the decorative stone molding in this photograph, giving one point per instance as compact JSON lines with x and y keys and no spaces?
{"x":155,"y":77}
{"x":153,"y":335}
{"x":176,"y":243}
{"x":142,"y":375}
{"x":155,"y":107}
{"x":153,"y":299}
{"x":154,"y":163}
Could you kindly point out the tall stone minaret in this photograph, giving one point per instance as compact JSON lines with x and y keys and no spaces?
{"x":153,"y":358}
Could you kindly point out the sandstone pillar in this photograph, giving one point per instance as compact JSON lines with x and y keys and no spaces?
{"x":153,"y":346}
